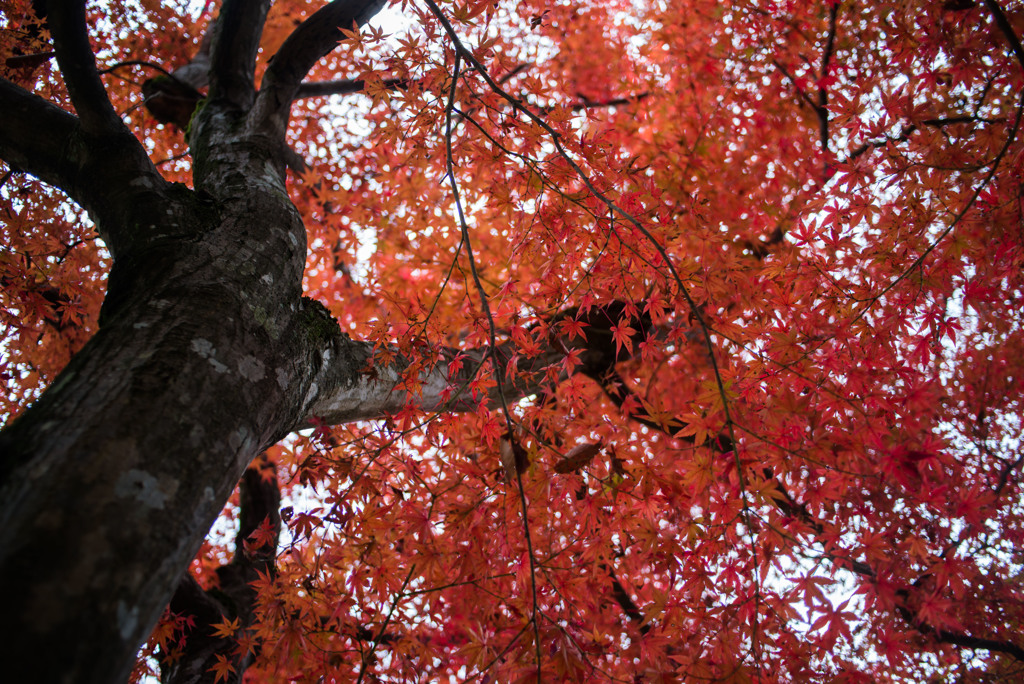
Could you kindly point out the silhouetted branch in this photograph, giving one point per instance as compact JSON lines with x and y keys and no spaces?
{"x":905,"y":134}
{"x":821,"y":109}
{"x":93,"y":171}
{"x":626,"y":603}
{"x":612,"y":102}
{"x":584,"y":103}
{"x":236,"y":39}
{"x":314,"y":38}
{"x":233,"y":597}
{"x":962,"y":640}
{"x":30,"y":61}
{"x":1007,"y":29}
{"x":78,"y":67}
{"x":343,"y":87}
{"x":1004,"y":476}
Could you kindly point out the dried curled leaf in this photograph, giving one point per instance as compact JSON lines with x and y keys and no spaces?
{"x":514,"y":458}
{"x":578,"y":457}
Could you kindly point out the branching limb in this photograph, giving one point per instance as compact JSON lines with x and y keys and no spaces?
{"x":192,"y":602}
{"x":379,"y":390}
{"x":905,"y":133}
{"x":819,"y":104}
{"x":313,"y":39}
{"x":375,"y":391}
{"x":106,"y":175}
{"x":78,"y":67}
{"x":381,"y":635}
{"x":1007,"y":471}
{"x":259,"y":501}
{"x":963,"y":640}
{"x":799,"y":91}
{"x":236,"y":39}
{"x":196,"y":73}
{"x":626,"y":603}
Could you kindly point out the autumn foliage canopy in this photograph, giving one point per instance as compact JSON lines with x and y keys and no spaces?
{"x":770,"y":254}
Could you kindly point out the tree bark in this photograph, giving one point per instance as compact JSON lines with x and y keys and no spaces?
{"x":111,"y":480}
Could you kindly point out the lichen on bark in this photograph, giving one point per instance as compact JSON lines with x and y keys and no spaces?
{"x":318,"y":323}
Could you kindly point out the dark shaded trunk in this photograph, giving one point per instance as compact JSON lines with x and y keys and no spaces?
{"x":112,"y":479}
{"x":191,"y":658}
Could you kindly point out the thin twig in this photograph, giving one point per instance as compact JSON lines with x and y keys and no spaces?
{"x":556,"y":139}
{"x":498,"y":371}
{"x":137,"y":62}
{"x":384,"y":625}
{"x":956,"y":219}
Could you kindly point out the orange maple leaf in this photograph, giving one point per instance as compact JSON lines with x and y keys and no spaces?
{"x":222,"y":668}
{"x":226,"y":628}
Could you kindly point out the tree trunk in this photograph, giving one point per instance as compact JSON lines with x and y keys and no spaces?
{"x":111,"y":480}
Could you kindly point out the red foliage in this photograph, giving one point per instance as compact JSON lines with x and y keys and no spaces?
{"x":804,"y":462}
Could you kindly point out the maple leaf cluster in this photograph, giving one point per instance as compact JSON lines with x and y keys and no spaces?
{"x":779,"y":246}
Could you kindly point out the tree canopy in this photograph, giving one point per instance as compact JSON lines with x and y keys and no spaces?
{"x":664,"y":341}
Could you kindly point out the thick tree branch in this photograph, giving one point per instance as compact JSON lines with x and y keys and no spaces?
{"x":107,"y":175}
{"x":962,"y":640}
{"x":24,"y":145}
{"x":197,"y":72}
{"x":379,"y":389}
{"x":343,"y":87}
{"x":341,"y":396}
{"x":314,"y":38}
{"x":78,"y":66}
{"x":259,"y":503}
{"x":236,"y":39}
{"x":170,"y":100}
{"x":30,"y":61}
